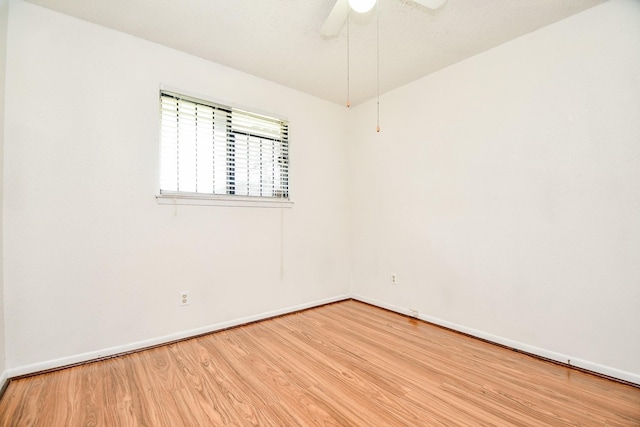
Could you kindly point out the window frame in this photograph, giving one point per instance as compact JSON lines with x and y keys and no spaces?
{"x":167,"y":197}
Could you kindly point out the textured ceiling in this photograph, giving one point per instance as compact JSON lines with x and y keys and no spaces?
{"x":280,"y":39}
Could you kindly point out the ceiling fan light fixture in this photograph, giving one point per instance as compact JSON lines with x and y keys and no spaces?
{"x":362,"y":6}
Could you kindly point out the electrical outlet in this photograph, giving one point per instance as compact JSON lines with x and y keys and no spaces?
{"x":184,"y":298}
{"x":394,"y":279}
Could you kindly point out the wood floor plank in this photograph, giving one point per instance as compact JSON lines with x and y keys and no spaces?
{"x":329,"y":373}
{"x":514,"y":378}
{"x":343,"y":364}
{"x":408,"y":374}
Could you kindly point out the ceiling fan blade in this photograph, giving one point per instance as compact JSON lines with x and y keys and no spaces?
{"x":336,"y":18}
{"x":431,"y":4}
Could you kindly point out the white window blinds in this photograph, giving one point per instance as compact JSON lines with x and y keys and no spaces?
{"x":217,"y":150}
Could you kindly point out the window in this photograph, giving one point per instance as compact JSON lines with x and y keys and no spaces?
{"x":215,"y":150}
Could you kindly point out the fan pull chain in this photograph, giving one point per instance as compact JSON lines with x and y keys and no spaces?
{"x":378,"y":60}
{"x":348,"y":61}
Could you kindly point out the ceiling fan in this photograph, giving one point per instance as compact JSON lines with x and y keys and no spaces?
{"x":338,"y":14}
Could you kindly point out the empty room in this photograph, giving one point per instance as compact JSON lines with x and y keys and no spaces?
{"x":319,"y":212}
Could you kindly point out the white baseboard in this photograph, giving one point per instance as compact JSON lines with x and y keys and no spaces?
{"x":547,"y":354}
{"x":139,"y":345}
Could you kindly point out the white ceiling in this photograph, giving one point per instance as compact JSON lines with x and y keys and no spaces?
{"x":280,"y":39}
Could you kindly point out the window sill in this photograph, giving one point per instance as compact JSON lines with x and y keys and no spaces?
{"x":228,"y":201}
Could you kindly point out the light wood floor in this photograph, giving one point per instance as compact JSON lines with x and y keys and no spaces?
{"x":344,"y":364}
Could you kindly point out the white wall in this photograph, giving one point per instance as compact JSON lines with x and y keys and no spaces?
{"x":4,"y":13}
{"x":92,"y":262}
{"x":504,"y":192}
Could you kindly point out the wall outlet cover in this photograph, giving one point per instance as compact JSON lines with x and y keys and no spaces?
{"x":184,"y":298}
